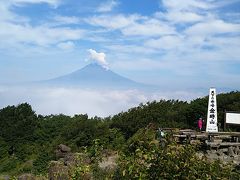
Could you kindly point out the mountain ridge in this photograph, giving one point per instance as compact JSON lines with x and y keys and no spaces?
{"x":93,"y":76}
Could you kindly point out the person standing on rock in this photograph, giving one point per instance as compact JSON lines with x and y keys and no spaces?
{"x":200,"y":124}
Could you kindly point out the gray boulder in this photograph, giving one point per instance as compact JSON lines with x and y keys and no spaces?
{"x":58,"y":171}
{"x":62,"y":150}
{"x":231,"y":152}
{"x":73,"y":159}
{"x":27,"y":177}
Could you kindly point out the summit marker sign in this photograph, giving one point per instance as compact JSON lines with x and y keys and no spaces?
{"x":212,"y":112}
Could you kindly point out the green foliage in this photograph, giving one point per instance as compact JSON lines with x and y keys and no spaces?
{"x":85,"y":170}
{"x":228,"y":102}
{"x":149,"y":160}
{"x":17,"y":123}
{"x":25,"y":136}
{"x":164,"y":113}
{"x":40,"y":164}
{"x":173,"y":113}
{"x":8,"y":164}
{"x":115,"y":139}
{"x":17,"y":126}
{"x":3,"y":148}
{"x":196,"y":109}
{"x":81,"y":172}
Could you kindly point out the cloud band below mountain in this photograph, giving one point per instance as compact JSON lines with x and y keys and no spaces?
{"x":72,"y":101}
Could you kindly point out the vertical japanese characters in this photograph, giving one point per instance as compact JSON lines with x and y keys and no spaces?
{"x":212,"y":112}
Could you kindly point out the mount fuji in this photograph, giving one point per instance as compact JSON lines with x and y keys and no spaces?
{"x":94,"y":76}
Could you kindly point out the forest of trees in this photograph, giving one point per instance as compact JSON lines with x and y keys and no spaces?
{"x":28,"y":140}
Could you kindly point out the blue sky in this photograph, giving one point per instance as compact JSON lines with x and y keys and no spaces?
{"x":187,"y":43}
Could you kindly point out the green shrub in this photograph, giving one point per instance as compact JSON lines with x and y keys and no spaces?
{"x":145,"y":158}
{"x":40,"y":164}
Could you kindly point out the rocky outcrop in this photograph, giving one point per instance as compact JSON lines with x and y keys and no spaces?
{"x":73,"y":159}
{"x":62,"y":150}
{"x":67,"y":162}
{"x":69,"y":165}
{"x":109,"y":162}
{"x":226,"y":155}
{"x":58,"y":171}
{"x":4,"y":177}
{"x":27,"y":177}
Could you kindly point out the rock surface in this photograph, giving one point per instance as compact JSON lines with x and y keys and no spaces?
{"x":227,"y":155}
{"x":62,"y":150}
{"x":4,"y":177}
{"x":72,"y":159}
{"x":58,"y":171}
{"x":26,"y":177}
{"x":109,"y":162}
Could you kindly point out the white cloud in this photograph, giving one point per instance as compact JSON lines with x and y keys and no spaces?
{"x":150,"y":27}
{"x":186,"y":5}
{"x":60,"y":20}
{"x":7,"y":15}
{"x":192,"y":11}
{"x":72,"y":101}
{"x":165,"y":42}
{"x":139,"y":65}
{"x":132,"y":25}
{"x":189,"y":11}
{"x":212,"y":27}
{"x":54,"y":3}
{"x":107,"y":6}
{"x":16,"y":31}
{"x":138,"y":49}
{"x":98,"y":57}
{"x":113,"y":21}
{"x":180,"y":16}
{"x":39,"y":35}
{"x":66,"y":46}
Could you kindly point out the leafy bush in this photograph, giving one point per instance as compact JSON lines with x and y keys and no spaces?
{"x":146,"y":158}
{"x":8,"y":164}
{"x":40,"y":165}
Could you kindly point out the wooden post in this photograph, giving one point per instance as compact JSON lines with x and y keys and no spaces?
{"x":224,"y":123}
